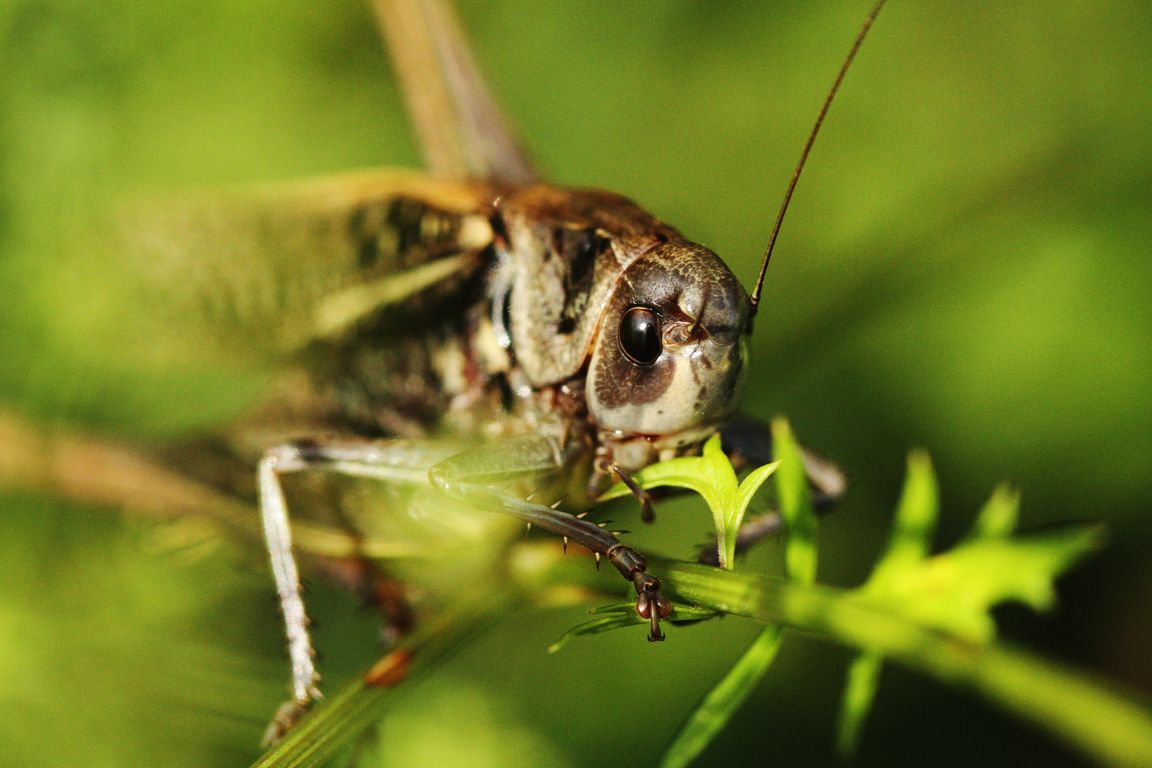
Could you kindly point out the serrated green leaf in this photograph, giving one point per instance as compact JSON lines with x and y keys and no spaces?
{"x":800,"y":557}
{"x":956,"y":590}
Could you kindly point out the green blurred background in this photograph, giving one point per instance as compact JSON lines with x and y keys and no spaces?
{"x":965,"y":267}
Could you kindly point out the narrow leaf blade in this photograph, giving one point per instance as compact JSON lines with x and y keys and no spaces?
{"x":795,"y":505}
{"x":859,"y":693}
{"x":718,"y":706}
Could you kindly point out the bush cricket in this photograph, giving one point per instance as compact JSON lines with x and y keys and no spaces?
{"x":569,"y":335}
{"x":584,"y":338}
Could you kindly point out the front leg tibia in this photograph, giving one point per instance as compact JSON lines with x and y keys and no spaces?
{"x":479,"y":479}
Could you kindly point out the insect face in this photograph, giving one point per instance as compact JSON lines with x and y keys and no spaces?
{"x":653,"y":324}
{"x":668,"y":363}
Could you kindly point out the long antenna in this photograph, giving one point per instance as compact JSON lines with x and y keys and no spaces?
{"x":872,"y":14}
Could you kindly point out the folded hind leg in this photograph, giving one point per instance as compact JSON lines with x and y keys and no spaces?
{"x":395,"y":461}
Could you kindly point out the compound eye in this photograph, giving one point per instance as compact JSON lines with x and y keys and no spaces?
{"x":640,"y":335}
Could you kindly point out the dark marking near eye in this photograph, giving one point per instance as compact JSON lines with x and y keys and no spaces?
{"x":621,"y":382}
{"x":583,"y":257}
{"x":578,"y":248}
{"x":638,"y":373}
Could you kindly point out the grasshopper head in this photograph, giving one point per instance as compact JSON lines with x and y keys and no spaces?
{"x":668,"y":363}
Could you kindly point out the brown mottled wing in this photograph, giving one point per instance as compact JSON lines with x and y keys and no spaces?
{"x":463,"y":132}
{"x":272,"y":269}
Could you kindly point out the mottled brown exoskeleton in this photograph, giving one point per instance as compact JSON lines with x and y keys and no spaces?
{"x":571,"y":334}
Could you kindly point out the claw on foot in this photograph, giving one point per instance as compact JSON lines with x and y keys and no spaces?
{"x":286,"y":718}
{"x":651,"y":604}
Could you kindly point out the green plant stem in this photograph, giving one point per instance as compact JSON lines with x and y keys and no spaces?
{"x":1086,"y":713}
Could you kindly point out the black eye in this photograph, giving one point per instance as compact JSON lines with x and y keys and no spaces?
{"x":640,"y":335}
